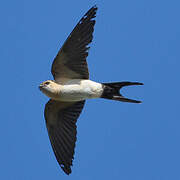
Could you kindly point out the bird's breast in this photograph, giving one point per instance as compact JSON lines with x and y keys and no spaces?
{"x":77,"y":90}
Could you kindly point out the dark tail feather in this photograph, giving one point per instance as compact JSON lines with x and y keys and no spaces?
{"x":112,"y":91}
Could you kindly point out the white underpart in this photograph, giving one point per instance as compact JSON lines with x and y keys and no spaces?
{"x":77,"y":90}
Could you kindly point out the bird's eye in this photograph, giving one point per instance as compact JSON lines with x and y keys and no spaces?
{"x":46,"y":83}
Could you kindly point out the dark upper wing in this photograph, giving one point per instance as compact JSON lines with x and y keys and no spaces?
{"x":70,"y":62}
{"x":61,"y":120}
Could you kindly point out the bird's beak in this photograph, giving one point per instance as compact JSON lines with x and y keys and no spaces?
{"x":40,"y":86}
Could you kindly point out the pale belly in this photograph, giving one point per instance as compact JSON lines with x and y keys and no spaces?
{"x":77,"y":90}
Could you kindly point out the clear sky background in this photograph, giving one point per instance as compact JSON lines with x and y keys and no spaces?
{"x":133,"y":40}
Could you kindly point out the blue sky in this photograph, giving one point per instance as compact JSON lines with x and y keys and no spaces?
{"x":133,"y":40}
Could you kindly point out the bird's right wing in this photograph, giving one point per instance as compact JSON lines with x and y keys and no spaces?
{"x":70,"y":62}
{"x":61,"y":120}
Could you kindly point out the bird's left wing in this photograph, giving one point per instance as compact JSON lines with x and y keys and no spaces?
{"x":61,"y":120}
{"x":70,"y":62}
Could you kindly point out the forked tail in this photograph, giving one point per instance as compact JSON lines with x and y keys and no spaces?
{"x":112,"y":91}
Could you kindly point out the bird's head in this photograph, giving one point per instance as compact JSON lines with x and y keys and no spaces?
{"x":49,"y":88}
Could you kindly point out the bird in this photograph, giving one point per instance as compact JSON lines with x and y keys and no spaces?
{"x":70,"y":89}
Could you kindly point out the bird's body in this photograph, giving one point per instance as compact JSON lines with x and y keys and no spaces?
{"x":75,"y":90}
{"x":71,"y":87}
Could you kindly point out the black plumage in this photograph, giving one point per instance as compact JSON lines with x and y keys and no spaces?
{"x":75,"y":49}
{"x":61,"y":118}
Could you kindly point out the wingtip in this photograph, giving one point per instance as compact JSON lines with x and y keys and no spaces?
{"x":95,"y":6}
{"x":67,"y":170}
{"x":91,"y":12}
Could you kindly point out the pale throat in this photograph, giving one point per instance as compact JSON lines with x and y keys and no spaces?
{"x":53,"y":91}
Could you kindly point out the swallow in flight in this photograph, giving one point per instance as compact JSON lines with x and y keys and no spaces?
{"x":71,"y":87}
